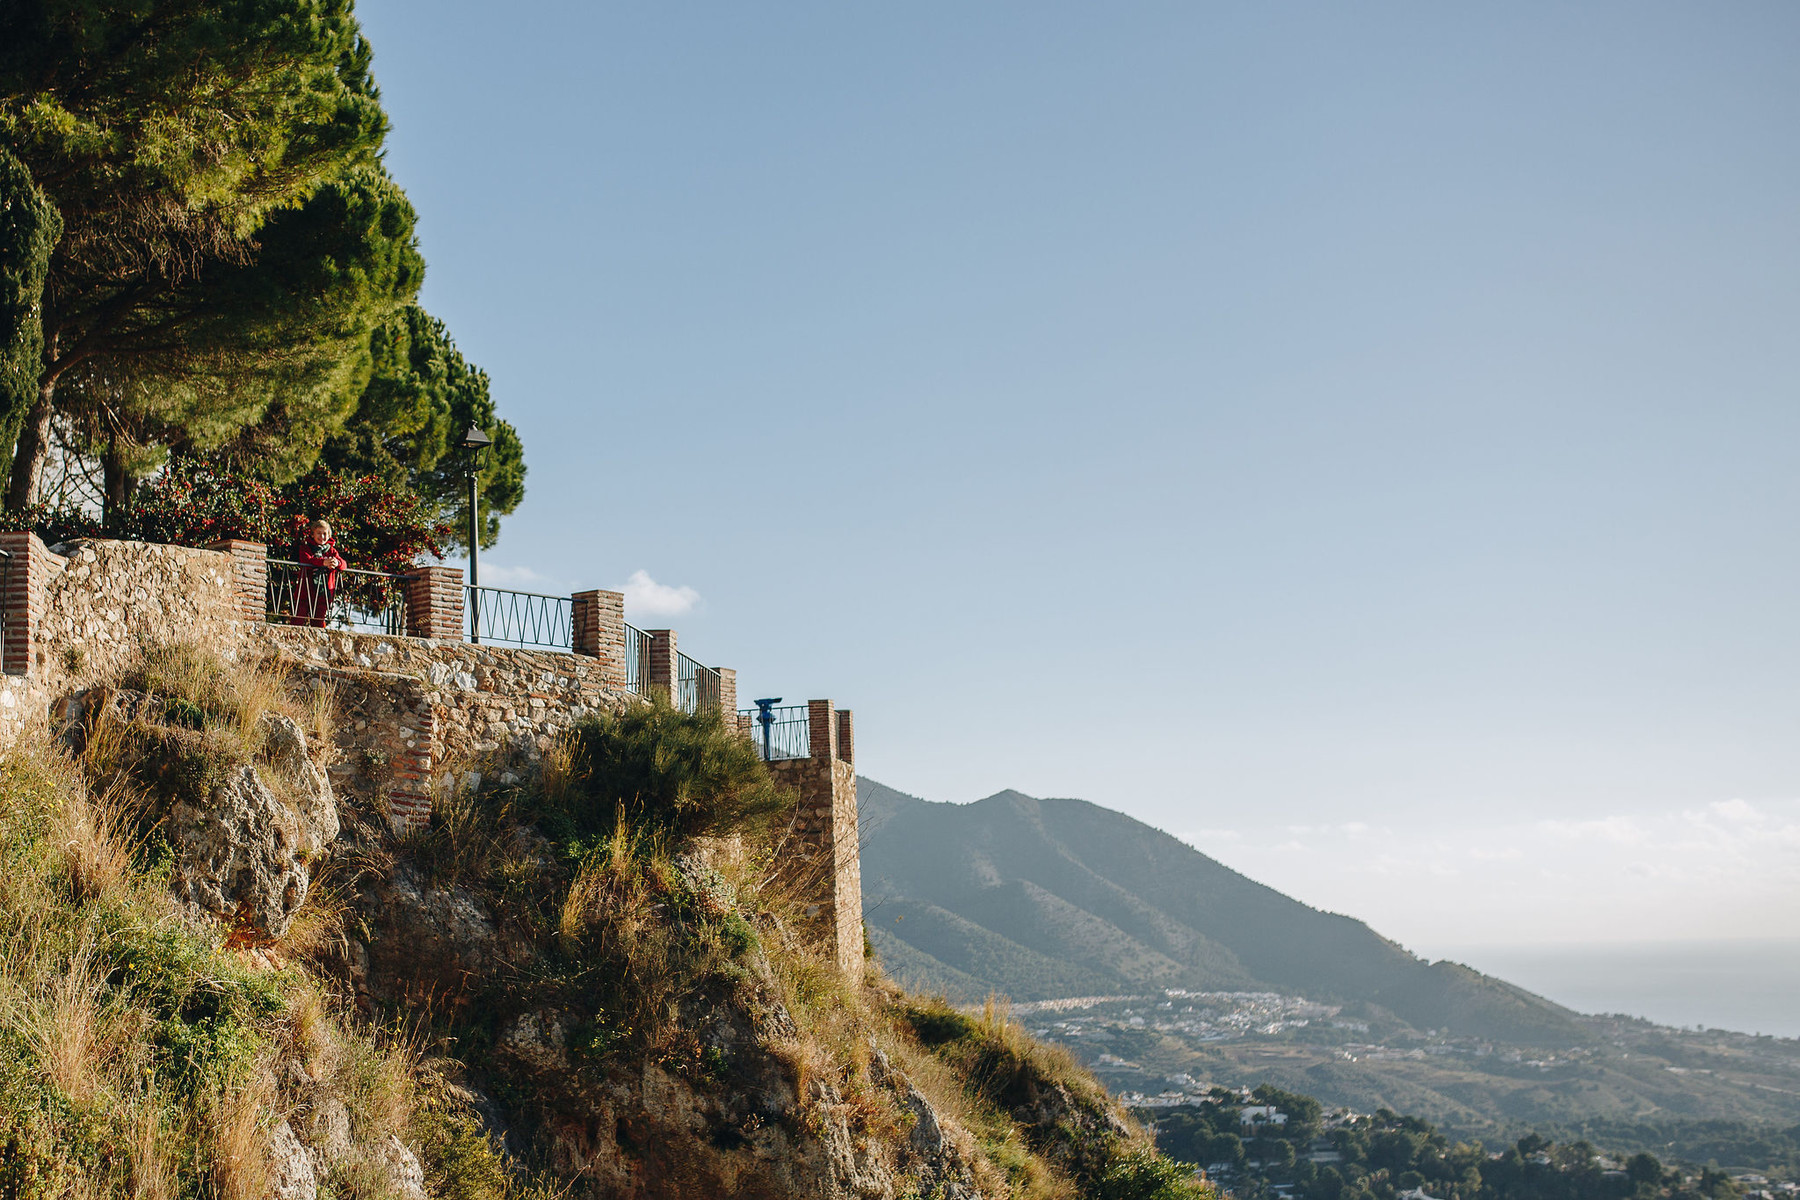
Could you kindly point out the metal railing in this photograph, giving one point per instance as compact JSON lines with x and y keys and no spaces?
{"x":788,"y":733}
{"x":365,"y":601}
{"x":375,"y":602}
{"x":696,"y":687}
{"x":637,"y":661}
{"x":495,"y":616}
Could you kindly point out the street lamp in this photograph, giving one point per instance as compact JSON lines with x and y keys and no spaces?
{"x":473,"y":441}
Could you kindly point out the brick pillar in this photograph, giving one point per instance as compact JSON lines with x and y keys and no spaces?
{"x":599,"y":632}
{"x":825,"y":864}
{"x":662,"y":663}
{"x":30,"y":568}
{"x":821,"y":729}
{"x":249,"y":576}
{"x":846,"y":735}
{"x":728,"y":696}
{"x":434,"y":603}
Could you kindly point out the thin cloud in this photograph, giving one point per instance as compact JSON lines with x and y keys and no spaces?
{"x":645,"y":596}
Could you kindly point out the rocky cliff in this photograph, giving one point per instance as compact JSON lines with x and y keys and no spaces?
{"x":230,"y":979}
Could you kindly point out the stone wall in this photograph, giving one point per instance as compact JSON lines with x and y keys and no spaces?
{"x":423,"y":717}
{"x":82,"y":615}
{"x":418,"y":717}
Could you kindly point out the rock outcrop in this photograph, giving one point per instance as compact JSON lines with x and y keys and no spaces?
{"x":247,"y":835}
{"x":246,"y":853}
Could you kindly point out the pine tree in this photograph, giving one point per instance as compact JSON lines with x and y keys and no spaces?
{"x":228,"y":237}
{"x":421,"y":398}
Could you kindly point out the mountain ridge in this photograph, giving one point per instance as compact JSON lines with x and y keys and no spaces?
{"x":1046,"y":898}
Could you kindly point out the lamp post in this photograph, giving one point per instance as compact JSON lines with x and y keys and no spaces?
{"x":473,"y":441}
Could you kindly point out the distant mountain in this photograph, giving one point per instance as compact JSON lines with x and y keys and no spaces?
{"x":1043,"y":899}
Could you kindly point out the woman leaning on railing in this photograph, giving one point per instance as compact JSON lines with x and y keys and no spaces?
{"x":320,"y":563}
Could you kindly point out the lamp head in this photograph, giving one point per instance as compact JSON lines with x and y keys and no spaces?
{"x":475,"y":439}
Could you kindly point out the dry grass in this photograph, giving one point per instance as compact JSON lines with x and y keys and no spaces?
{"x":154,"y":1173}
{"x":560,"y":769}
{"x":237,"y":1138}
{"x":94,"y":834}
{"x":320,"y":706}
{"x":140,"y":1055}
{"x":318,"y":927}
{"x":379,"y":1082}
{"x":233,"y":696}
{"x":71,"y":1031}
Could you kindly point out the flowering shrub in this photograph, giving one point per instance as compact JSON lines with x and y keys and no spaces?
{"x":52,"y":522}
{"x":195,"y":502}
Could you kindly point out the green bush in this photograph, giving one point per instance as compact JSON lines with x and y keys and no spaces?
{"x":665,"y":774}
{"x":1145,"y":1175}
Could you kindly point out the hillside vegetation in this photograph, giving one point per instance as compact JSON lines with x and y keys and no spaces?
{"x":1384,"y":1155}
{"x":222,"y":980}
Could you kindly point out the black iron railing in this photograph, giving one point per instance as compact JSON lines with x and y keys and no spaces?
{"x":696,"y":687}
{"x":787,"y":733}
{"x":365,"y":601}
{"x":499,"y":617}
{"x":637,"y":661}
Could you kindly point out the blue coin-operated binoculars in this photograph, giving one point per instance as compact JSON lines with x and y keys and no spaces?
{"x":766,"y":719}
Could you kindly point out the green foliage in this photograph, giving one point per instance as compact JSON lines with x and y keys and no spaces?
{"x":29,"y":229}
{"x":1146,"y":1175}
{"x":421,"y":398}
{"x":197,"y":188}
{"x":226,"y":227}
{"x":935,"y":1023}
{"x":667,"y":775}
{"x":1751,"y":1146}
{"x":1382,"y":1155}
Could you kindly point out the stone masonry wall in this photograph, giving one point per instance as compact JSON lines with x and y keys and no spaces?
{"x":97,"y":605}
{"x":417,"y":716}
{"x":422,"y":717}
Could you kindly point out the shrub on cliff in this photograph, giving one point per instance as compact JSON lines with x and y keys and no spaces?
{"x":666,"y":774}
{"x":1062,"y":1112}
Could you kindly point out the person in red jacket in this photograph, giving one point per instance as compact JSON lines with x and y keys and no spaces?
{"x":320,"y":564}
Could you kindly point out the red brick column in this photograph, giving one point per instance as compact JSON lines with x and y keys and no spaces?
{"x":846,"y":736}
{"x":249,"y":576}
{"x":662,"y":663}
{"x":599,"y":618}
{"x":728,"y":696}
{"x":434,"y":603}
{"x":30,"y":569}
{"x":821,"y":729}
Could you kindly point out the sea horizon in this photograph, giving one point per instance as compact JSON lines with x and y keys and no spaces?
{"x":1749,"y":985}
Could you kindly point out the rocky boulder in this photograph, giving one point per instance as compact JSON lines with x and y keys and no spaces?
{"x":246,"y":853}
{"x":248,"y":839}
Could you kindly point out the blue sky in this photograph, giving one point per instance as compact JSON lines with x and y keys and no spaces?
{"x":1360,"y":439}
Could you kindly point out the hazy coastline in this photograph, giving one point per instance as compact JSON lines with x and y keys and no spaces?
{"x":1751,"y":985}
